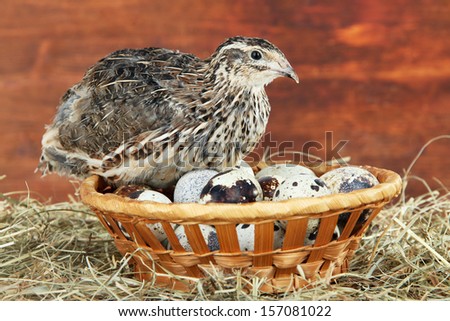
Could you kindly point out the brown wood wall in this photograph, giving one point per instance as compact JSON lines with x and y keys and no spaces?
{"x":375,"y":73}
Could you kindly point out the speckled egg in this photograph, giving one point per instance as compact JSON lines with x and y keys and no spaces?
{"x":300,"y":186}
{"x":208,"y":232}
{"x":144,"y":193}
{"x":268,"y":185}
{"x":245,"y":167}
{"x":155,"y":228}
{"x":246,"y":236}
{"x":190,"y":185}
{"x":363,"y":217}
{"x":131,"y":191}
{"x":232,"y":186}
{"x":284,"y":170}
{"x":124,"y":231}
{"x":154,"y":196}
{"x":313,"y":229}
{"x":158,"y":231}
{"x":347,"y":179}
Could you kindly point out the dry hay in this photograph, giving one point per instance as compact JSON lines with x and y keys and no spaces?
{"x":61,"y":252}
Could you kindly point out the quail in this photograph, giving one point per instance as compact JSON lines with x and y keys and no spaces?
{"x":146,"y":116}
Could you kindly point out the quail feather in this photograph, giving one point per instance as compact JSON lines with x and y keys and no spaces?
{"x":147,"y":116}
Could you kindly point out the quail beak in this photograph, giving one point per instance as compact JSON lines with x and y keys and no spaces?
{"x":290,"y":73}
{"x":284,"y":69}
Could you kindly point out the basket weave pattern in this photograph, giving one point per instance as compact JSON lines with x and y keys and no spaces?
{"x":292,"y":266}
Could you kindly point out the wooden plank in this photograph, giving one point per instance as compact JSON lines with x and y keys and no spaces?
{"x":381,"y":86}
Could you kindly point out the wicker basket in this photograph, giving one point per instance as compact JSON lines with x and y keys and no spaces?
{"x":292,"y":266}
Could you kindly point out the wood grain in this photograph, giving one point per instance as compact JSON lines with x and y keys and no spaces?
{"x":376,"y":74}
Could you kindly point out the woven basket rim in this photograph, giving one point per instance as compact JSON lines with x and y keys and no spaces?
{"x":389,"y":187}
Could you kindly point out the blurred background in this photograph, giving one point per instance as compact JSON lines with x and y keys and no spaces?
{"x":374,"y":73}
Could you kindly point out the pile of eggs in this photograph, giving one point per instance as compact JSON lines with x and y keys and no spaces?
{"x":240,"y":185}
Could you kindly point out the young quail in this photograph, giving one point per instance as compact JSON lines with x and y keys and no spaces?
{"x":146,"y":116}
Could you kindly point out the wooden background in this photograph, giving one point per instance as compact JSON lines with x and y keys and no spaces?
{"x":375,"y":73}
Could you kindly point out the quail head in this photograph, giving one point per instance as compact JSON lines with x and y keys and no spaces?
{"x":146,"y":116}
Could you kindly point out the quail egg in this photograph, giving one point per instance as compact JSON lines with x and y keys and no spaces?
{"x":348,"y":179}
{"x":158,"y":231}
{"x":131,"y":191}
{"x":284,"y":170}
{"x":300,"y":186}
{"x":232,"y":186}
{"x":268,"y":185}
{"x":245,"y":167}
{"x":209,"y":234}
{"x":363,"y":217}
{"x":190,"y":185}
{"x":313,"y":229}
{"x":246,"y":236}
{"x":143,"y":193}
{"x":123,"y":230}
{"x":154,"y":196}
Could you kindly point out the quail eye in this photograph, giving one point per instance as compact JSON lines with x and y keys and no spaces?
{"x":256,"y":55}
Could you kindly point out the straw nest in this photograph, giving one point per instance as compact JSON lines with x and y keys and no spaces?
{"x":61,"y":252}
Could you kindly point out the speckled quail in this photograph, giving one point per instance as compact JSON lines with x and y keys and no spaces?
{"x":146,"y":116}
